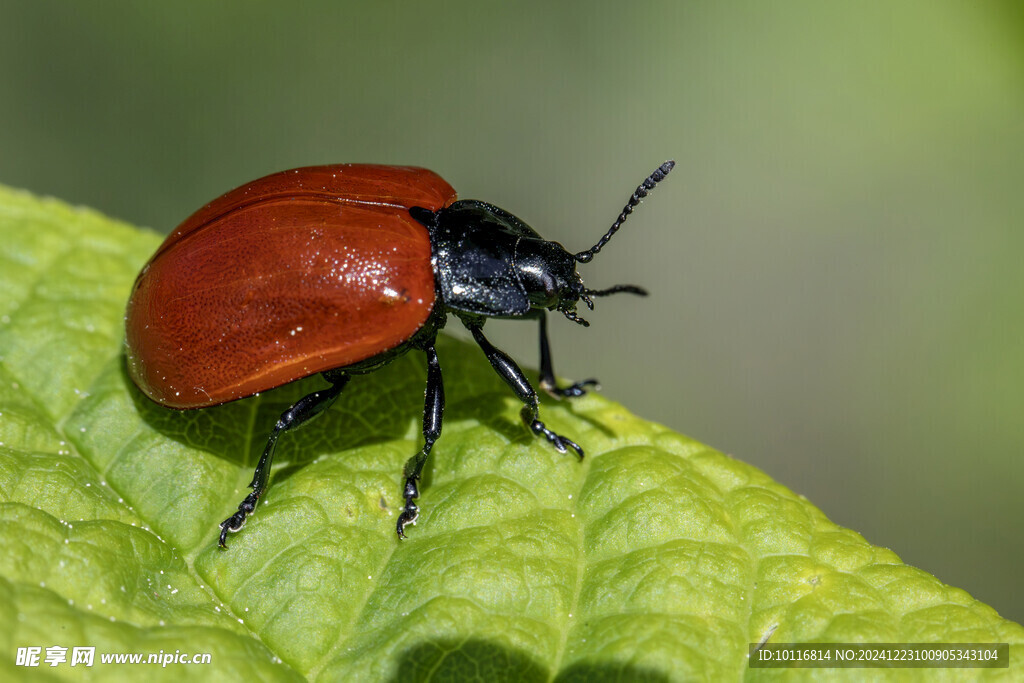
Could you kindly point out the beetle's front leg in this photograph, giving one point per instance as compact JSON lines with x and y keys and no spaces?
{"x":514,"y":377}
{"x":433,"y":412}
{"x":304,"y":410}
{"x":547,"y":371}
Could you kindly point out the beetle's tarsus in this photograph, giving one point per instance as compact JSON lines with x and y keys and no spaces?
{"x":574,"y":391}
{"x":236,"y":521}
{"x":411,"y":511}
{"x":561,"y":443}
{"x":408,"y":516}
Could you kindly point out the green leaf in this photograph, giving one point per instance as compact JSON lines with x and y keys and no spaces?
{"x":655,"y":557}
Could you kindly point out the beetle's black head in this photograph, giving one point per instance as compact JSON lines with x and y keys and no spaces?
{"x":548,"y":273}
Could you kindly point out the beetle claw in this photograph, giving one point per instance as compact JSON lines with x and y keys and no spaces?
{"x":573,"y":445}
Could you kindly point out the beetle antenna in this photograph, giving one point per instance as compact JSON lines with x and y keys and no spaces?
{"x":642,"y":191}
{"x":627,"y":289}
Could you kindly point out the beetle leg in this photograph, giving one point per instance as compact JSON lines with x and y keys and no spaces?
{"x":433,"y":412}
{"x":547,"y":371}
{"x":304,"y":410}
{"x":514,"y":377}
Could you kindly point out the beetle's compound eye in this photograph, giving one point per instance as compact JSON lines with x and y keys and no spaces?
{"x":541,"y":287}
{"x":550,"y":287}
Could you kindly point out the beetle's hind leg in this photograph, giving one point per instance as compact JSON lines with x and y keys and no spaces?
{"x":514,"y":377}
{"x":433,"y":412}
{"x":304,"y":410}
{"x":547,"y":371}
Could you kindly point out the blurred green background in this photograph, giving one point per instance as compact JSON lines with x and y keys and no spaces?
{"x":835,"y":264}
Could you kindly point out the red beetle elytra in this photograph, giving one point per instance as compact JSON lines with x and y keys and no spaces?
{"x":339,"y":270}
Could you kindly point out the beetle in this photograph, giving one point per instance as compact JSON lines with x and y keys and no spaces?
{"x":339,"y":270}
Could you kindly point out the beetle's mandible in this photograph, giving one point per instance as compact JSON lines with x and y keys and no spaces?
{"x":339,"y":270}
